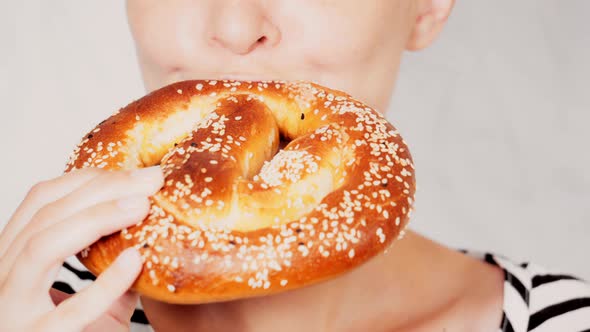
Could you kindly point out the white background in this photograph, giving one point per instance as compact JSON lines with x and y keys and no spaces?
{"x":496,"y":112}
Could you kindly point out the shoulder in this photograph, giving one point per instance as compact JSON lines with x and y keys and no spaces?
{"x":557,"y":300}
{"x":539,"y":299}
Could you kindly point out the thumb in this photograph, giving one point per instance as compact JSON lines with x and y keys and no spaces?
{"x":123,"y":308}
{"x":118,"y":317}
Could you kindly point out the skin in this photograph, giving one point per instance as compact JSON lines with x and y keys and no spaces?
{"x":77,"y":208}
{"x":352,"y":45}
{"x":345,"y":44}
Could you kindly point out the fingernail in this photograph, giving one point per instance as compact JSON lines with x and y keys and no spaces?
{"x":147,"y":173}
{"x":129,"y":257}
{"x":132,"y":203}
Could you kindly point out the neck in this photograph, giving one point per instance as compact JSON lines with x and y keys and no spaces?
{"x":389,"y":289}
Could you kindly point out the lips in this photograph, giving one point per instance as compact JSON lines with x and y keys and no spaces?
{"x":233,"y":75}
{"x":244,"y":77}
{"x":240,"y":77}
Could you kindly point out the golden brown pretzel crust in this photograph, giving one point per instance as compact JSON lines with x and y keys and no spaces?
{"x":228,"y":224}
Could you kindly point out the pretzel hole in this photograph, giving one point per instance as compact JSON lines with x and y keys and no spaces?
{"x":243,"y":166}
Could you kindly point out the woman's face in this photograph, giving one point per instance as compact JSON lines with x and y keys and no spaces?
{"x":350,"y":45}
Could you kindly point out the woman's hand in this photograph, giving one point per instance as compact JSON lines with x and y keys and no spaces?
{"x":57,"y":219}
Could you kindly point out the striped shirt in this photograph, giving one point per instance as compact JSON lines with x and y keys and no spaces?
{"x":535,"y":299}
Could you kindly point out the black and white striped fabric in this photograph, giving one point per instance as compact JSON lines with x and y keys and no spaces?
{"x":535,"y":299}
{"x":539,"y":300}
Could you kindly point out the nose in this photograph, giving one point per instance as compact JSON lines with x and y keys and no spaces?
{"x":241,"y":26}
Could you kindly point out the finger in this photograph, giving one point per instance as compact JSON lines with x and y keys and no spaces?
{"x":123,"y":309}
{"x":42,"y":194}
{"x":36,"y":265}
{"x":83,"y":309}
{"x":108,"y":186}
{"x":118,"y":317}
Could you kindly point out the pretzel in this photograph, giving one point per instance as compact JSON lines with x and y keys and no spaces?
{"x":240,"y":214}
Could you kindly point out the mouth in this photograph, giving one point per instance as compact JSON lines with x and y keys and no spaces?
{"x":245,"y":77}
{"x":231,"y":75}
